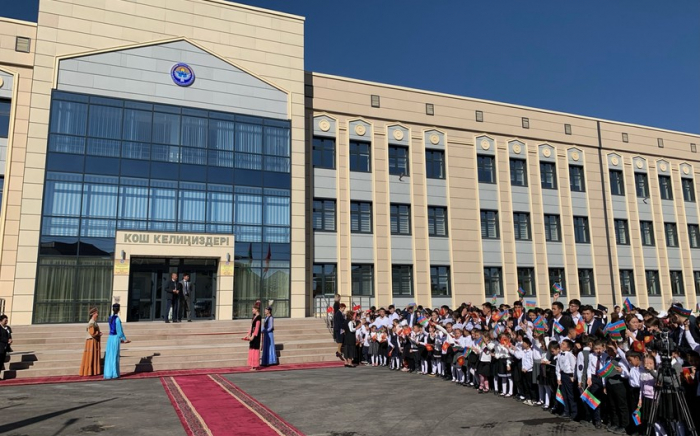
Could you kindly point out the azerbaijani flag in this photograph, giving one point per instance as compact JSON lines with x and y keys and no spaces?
{"x":422,"y":320}
{"x":557,"y":289}
{"x":580,"y":327}
{"x":616,"y":327}
{"x":494,"y":299}
{"x":521,"y":292}
{"x":540,"y":324}
{"x":637,"y":417}
{"x":628,"y":305}
{"x":589,"y":399}
{"x":606,"y":371}
{"x":616,"y":336}
{"x":560,"y":397}
{"x":681,"y":313}
{"x":558,"y":328}
{"x":530,"y":305}
{"x":500,"y":328}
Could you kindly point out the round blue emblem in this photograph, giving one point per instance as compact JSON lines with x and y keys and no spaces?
{"x":182,"y":74}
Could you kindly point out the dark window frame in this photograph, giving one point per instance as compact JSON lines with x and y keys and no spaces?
{"x":435,"y":164}
{"x":582,"y":233}
{"x":322,"y":146}
{"x":671,"y":232}
{"x":627,"y":285}
{"x":647,"y":228}
{"x":395,"y":168}
{"x":665,"y":187}
{"x":518,"y":218}
{"x":694,"y":235}
{"x":617,"y":182}
{"x":492,"y":281}
{"x":486,"y":168}
{"x":577,"y":172}
{"x":557,"y":275}
{"x":359,"y":271}
{"x":402,"y":214}
{"x":548,"y":218}
{"x":585,"y":275}
{"x":641,"y":184}
{"x":404,"y":273}
{"x":518,"y":172}
{"x":432,"y":223}
{"x":677,"y":286}
{"x":688,"y":188}
{"x":362,"y":216}
{"x":527,"y":281}
{"x":324,"y":202}
{"x":440,"y":279}
{"x":621,"y":225}
{"x":360,"y":151}
{"x":548,"y":169}
{"x":325,"y":279}
{"x":488,"y":216}
{"x":651,"y":277}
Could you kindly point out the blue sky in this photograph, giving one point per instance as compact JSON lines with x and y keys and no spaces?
{"x":636,"y":61}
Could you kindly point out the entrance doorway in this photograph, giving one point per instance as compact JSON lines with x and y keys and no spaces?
{"x":147,"y":279}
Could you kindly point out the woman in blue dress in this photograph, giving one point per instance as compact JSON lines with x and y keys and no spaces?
{"x":269,"y":355}
{"x":116,"y":337}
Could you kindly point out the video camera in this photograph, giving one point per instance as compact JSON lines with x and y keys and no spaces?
{"x":663,"y":344}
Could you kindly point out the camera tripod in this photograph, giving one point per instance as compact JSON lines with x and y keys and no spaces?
{"x":668,"y":391}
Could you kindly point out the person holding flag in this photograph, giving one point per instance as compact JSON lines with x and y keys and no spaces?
{"x":562,"y":319}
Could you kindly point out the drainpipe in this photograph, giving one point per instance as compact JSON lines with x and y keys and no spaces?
{"x":605,"y":213}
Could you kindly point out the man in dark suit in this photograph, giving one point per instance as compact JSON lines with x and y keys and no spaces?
{"x":186,"y":298}
{"x":592,"y":324}
{"x":409,"y":316}
{"x":172,"y":297}
{"x":565,"y":320}
{"x":5,"y":340}
{"x":338,"y":323}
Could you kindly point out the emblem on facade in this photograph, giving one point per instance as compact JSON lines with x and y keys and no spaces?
{"x":324,"y":125}
{"x":398,"y":134}
{"x":182,"y":74}
{"x":434,"y":139}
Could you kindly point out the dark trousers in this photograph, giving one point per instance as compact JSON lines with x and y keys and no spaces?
{"x":172,"y":303}
{"x":413,"y":360}
{"x":567,"y":390}
{"x":617,"y":396}
{"x":185,"y":309}
{"x":530,"y":391}
{"x":597,"y":390}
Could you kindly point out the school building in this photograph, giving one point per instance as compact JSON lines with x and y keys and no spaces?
{"x":144,"y":137}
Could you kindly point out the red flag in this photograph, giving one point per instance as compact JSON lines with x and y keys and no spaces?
{"x":356,"y":308}
{"x":267,"y":259}
{"x":580,"y":327}
{"x":329,"y":310}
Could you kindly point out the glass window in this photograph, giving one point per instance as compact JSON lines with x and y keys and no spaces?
{"x":63,"y":197}
{"x":653,"y":285}
{"x":362,"y":277}
{"x":68,"y":117}
{"x":100,"y":201}
{"x":647,"y":229}
{"x":581,"y":233}
{"x":248,"y":206}
{"x":277,"y":207}
{"x":324,"y":279}
{"x":360,"y":217}
{"x":548,"y":175}
{"x":402,"y":280}
{"x":641,"y":182}
{"x":622,"y":234}
{"x":219,"y":205}
{"x":493,"y":285}
{"x":324,"y":215}
{"x":2,"y":188}
{"x":677,"y":283}
{"x":671,"y":234}
{"x":277,"y":149}
{"x":521,"y":223}
{"x":437,"y":221}
{"x":440,"y":281}
{"x":194,"y":131}
{"x":4,"y":118}
{"x":586,"y":282}
{"x":557,"y":276}
{"x":694,"y":235}
{"x":400,"y":219}
{"x":489,"y":224}
{"x":577,"y":180}
{"x":526,"y":281}
{"x":617,"y":183}
{"x":324,"y":152}
{"x":696,"y":279}
{"x":398,"y":160}
{"x":552,"y":228}
{"x":166,"y":128}
{"x":688,"y":190}
{"x":486,"y":166}
{"x":518,"y":172}
{"x":222,"y":135}
{"x":360,"y":156}
{"x":434,"y":164}
{"x":627,"y":282}
{"x":665,"y":188}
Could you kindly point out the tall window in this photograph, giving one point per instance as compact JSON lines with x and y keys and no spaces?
{"x":486,"y":166}
{"x":694,"y":235}
{"x":671,"y":234}
{"x":696,"y":279}
{"x":2,"y":187}
{"x":362,"y":279}
{"x":552,"y":228}
{"x":647,"y":229}
{"x":622,"y":233}
{"x":518,"y":172}
{"x":557,"y":275}
{"x":653,"y":284}
{"x":489,"y":224}
{"x":440,"y":281}
{"x":581,"y":233}
{"x":400,"y":219}
{"x":627,"y":282}
{"x":324,"y":152}
{"x":548,"y":175}
{"x":677,"y":283}
{"x":493,"y":285}
{"x":688,"y":190}
{"x":360,"y":156}
{"x":325,"y":279}
{"x":577,"y":180}
{"x":324,"y":215}
{"x":526,"y":280}
{"x":435,"y":164}
{"x":641,"y":182}
{"x":398,"y":160}
{"x":360,"y":217}
{"x":617,"y":183}
{"x":521,"y":224}
{"x":586,"y":282}
{"x":402,"y":280}
{"x":665,"y":188}
{"x":437,"y":221}
{"x":4,"y":118}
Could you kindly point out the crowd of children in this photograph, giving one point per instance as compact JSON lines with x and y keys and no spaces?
{"x":581,"y":363}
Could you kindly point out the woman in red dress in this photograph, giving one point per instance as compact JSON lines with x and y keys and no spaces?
{"x":254,"y":339}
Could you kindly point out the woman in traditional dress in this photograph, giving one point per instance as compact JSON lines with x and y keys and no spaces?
{"x":254,"y":339}
{"x":269,"y":354}
{"x":92,"y":354}
{"x":116,"y":337}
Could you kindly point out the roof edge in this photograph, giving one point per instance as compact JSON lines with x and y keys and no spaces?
{"x":15,"y":21}
{"x":258,"y":9}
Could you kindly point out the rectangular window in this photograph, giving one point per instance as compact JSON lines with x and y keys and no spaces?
{"x":677,"y":283}
{"x":526,"y":123}
{"x":521,"y":224}
{"x":398,"y":160}
{"x":688,"y":190}
{"x":324,"y":152}
{"x":641,"y":182}
{"x":486,"y":166}
{"x":440,"y":281}
{"x":581,"y":233}
{"x":617,"y":183}
{"x":429,"y":109}
{"x":489,"y":224}
{"x":23,"y":44}
{"x":402,"y":280}
{"x":625,"y":137}
{"x":360,"y":156}
{"x":586,"y":282}
{"x":526,"y":280}
{"x":557,"y":275}
{"x":4,"y":118}
{"x":518,"y":172}
{"x":548,"y":175}
{"x":647,"y":229}
{"x":324,"y":215}
{"x":660,"y":142}
{"x":479,"y":116}
{"x":665,"y":188}
{"x":577,"y":180}
{"x":696,"y":279}
{"x":653,"y":285}
{"x":493,"y":285}
{"x":437,"y":221}
{"x":567,"y":129}
{"x":375,"y":101}
{"x":362,"y":277}
{"x":694,"y":235}
{"x":552,"y":228}
{"x":325,"y":279}
{"x":622,"y":234}
{"x":435,"y":164}
{"x":671,"y":234}
{"x":627,"y":282}
{"x":360,"y":217}
{"x":400,"y":219}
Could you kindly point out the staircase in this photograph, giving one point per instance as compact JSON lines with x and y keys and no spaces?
{"x":56,"y":350}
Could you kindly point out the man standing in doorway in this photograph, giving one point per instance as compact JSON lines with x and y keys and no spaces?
{"x":172,"y":297}
{"x":186,"y":299}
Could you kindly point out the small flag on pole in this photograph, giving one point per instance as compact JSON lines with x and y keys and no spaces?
{"x":521,"y":292}
{"x":356,"y":308}
{"x":422,"y":320}
{"x":580,"y":327}
{"x":329,"y":310}
{"x":494,"y":299}
{"x":628,"y":305}
{"x":637,"y":417}
{"x":606,"y":371}
{"x":557,"y":288}
{"x":517,"y":312}
{"x":530,"y":305}
{"x":616,"y":327}
{"x":560,"y":397}
{"x":590,"y":399}
{"x":558,"y":328}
